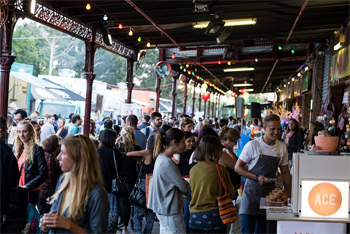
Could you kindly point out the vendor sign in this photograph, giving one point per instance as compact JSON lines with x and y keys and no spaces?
{"x":325,"y":199}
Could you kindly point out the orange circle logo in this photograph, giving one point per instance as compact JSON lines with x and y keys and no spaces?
{"x":325,"y":199}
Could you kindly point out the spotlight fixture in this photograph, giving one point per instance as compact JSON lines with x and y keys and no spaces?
{"x":88,"y":6}
{"x":105,"y":17}
{"x":29,"y":6}
{"x":239,"y":69}
{"x":148,"y":44}
{"x":131,"y":32}
{"x":120,"y":26}
{"x":173,"y":56}
{"x":228,"y":53}
{"x":214,"y":27}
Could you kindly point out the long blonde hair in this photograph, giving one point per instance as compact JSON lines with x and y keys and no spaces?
{"x":29,"y":151}
{"x":84,"y":175}
{"x":129,"y":139}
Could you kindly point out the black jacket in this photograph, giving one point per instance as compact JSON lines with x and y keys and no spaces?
{"x":107,"y":165}
{"x":9,"y":174}
{"x":295,"y":143}
{"x":35,"y":173}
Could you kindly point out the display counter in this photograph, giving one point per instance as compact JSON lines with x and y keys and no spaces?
{"x":320,"y":196}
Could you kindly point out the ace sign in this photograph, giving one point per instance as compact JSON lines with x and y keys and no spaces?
{"x":328,"y":199}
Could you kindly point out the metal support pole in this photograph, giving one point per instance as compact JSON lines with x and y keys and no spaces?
{"x":185,"y":97}
{"x":174,"y":95}
{"x":158,"y":91}
{"x":199,"y":101}
{"x":90,"y":48}
{"x":129,"y":79}
{"x":208,"y":108}
{"x":193,"y":99}
{"x":6,"y":60}
{"x":205,"y":108}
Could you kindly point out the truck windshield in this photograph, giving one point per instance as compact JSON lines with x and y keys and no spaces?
{"x":61,"y":110}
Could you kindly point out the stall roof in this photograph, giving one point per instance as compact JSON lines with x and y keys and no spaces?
{"x":45,"y":89}
{"x":300,"y":25}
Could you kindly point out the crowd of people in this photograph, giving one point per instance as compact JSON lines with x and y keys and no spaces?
{"x":69,"y":176}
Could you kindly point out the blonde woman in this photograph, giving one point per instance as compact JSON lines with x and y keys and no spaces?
{"x":129,"y":172}
{"x":80,"y":203}
{"x":31,"y":160}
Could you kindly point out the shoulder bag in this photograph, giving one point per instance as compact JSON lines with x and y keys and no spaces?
{"x":227,"y":211}
{"x":118,"y":186}
{"x":138,"y":196}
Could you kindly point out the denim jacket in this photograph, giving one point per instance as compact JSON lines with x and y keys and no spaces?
{"x":95,"y":218}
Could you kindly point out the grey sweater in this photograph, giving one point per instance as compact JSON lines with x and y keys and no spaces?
{"x":166,"y":196}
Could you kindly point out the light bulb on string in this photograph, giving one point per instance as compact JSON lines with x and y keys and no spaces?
{"x":187,"y":65}
{"x":148,"y":44}
{"x":256,"y":59}
{"x":105,"y":17}
{"x":88,"y":6}
{"x":229,"y":63}
{"x":156,"y":48}
{"x":173,"y":56}
{"x":131,"y":32}
{"x":139,"y":39}
{"x":120,"y":26}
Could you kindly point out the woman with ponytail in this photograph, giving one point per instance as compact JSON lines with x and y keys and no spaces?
{"x":166,"y":196}
{"x":80,"y":203}
{"x":130,"y":171}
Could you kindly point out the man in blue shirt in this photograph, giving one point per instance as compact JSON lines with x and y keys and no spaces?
{"x":76,"y":122}
{"x":140,"y":137}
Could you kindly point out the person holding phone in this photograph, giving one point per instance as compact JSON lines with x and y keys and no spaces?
{"x":80,"y":203}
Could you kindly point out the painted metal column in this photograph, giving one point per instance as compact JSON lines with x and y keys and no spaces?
{"x":208,"y":108}
{"x":129,"y":78}
{"x":174,"y":95}
{"x":6,"y":60}
{"x":205,"y":108}
{"x":199,"y":101}
{"x":185,"y":96}
{"x":90,"y":48}
{"x":158,"y":91}
{"x":193,"y":98}
{"x":219,"y":107}
{"x":214,"y":106}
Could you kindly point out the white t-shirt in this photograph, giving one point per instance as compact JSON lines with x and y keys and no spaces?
{"x":251,"y":152}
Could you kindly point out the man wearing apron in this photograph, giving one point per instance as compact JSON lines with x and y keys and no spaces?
{"x":262,"y":156}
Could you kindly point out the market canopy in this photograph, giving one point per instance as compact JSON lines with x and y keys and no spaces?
{"x":272,"y":49}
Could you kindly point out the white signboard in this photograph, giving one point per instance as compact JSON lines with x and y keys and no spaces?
{"x":325,"y":199}
{"x":292,"y":227}
{"x":345,"y":98}
{"x":128,"y":109}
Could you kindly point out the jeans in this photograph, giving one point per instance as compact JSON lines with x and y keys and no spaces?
{"x":186,"y":215}
{"x":171,"y":224}
{"x":253,"y":224}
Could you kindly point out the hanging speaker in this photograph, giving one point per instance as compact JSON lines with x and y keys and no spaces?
{"x":255,"y":110}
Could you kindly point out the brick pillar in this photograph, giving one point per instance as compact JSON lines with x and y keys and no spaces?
{"x":306,"y":99}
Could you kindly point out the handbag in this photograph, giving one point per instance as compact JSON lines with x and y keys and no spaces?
{"x":119,"y":187}
{"x":138,"y":196}
{"x":227,"y":211}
